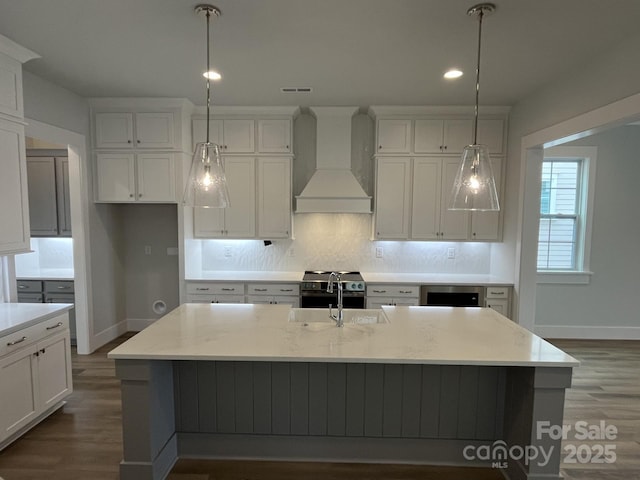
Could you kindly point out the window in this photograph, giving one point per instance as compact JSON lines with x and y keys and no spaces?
{"x":566,"y":196}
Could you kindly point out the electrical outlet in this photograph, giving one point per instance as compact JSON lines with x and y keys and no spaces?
{"x":379,"y":252}
{"x":147,"y":249}
{"x":227,"y":251}
{"x":451,"y":252}
{"x":292,"y":252}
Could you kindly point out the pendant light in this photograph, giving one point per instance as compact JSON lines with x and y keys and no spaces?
{"x":474,"y":187}
{"x":207,"y":183}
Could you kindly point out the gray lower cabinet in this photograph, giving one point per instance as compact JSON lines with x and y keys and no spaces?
{"x":49,"y":291}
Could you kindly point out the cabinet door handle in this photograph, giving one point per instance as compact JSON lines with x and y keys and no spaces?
{"x":259,"y":289}
{"x":228,"y":289}
{"x":201,"y":289}
{"x":379,"y":291}
{"x":62,"y":287}
{"x":286,"y":289}
{"x":59,"y":324}
{"x":22,"y":286}
{"x":445,"y":147}
{"x":405,"y":291}
{"x":15,"y":342}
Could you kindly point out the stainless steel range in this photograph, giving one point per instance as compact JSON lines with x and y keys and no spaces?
{"x":313,"y":290}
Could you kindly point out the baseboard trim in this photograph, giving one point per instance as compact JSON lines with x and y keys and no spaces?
{"x":108,"y":334}
{"x":138,"y":324}
{"x":588,"y":332}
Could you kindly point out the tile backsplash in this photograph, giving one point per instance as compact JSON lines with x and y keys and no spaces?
{"x":54,"y":253}
{"x":336,"y":242}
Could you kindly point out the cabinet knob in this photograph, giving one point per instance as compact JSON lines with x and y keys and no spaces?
{"x":287,"y":147}
{"x":379,"y":147}
{"x":138,"y":141}
{"x":128,"y":141}
{"x":139,"y":195}
{"x":131,"y":195}
{"x":445,"y":147}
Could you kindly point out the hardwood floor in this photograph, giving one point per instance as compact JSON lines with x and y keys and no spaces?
{"x":83,"y":440}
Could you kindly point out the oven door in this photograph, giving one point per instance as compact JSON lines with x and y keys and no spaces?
{"x":323,"y":300}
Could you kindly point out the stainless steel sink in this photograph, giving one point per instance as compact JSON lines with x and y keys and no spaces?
{"x":351,"y":316}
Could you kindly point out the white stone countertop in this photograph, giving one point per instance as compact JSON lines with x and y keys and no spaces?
{"x":435,"y":279}
{"x":422,"y":335}
{"x":247,"y":276}
{"x":45,"y":274}
{"x":16,"y":316}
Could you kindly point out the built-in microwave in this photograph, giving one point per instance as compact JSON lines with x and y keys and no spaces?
{"x":452,"y":295}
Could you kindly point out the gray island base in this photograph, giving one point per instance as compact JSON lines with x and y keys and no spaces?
{"x":184,"y":394}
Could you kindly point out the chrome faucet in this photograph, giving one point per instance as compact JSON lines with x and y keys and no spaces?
{"x":336,"y":278}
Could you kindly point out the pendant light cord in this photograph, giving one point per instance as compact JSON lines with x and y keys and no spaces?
{"x":475,"y":120}
{"x":208,"y":13}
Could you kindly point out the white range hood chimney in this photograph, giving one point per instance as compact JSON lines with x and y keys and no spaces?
{"x":333,"y":188}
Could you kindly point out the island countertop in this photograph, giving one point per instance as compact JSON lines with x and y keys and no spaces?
{"x":420,"y":335}
{"x":16,"y":316}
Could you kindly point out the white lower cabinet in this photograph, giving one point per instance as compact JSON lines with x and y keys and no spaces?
{"x":215,"y":292}
{"x":274,"y":293}
{"x":141,"y":178}
{"x":35,"y":375}
{"x":392,"y":294}
{"x":499,"y":299}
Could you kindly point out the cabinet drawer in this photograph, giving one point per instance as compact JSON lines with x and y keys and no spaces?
{"x":213,"y":298}
{"x":393,"y":291}
{"x":215,"y":288}
{"x":58,"y":286}
{"x":30,"y":297}
{"x":273,"y":289}
{"x":497,"y":292}
{"x":29,"y":286}
{"x":27,"y":336}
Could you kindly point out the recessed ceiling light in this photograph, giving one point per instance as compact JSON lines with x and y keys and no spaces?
{"x":212,"y":75}
{"x":453,"y":73}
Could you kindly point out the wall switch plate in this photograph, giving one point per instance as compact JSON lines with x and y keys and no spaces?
{"x":292,"y":252}
{"x":147,"y":249}
{"x":451,"y":252}
{"x":379,"y":252}
{"x":227,"y":250}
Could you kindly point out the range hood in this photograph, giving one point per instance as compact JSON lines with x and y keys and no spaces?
{"x":333,"y":188}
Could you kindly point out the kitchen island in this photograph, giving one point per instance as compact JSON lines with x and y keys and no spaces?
{"x":427,"y":385}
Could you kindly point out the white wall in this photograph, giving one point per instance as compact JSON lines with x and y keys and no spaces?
{"x":606,"y":78}
{"x":610,"y":299}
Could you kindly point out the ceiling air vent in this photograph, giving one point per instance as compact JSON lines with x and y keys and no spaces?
{"x":296,"y":89}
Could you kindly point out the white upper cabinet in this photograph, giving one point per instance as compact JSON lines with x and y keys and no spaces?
{"x":486,"y":225}
{"x":425,"y":214}
{"x":129,"y":177}
{"x":393,"y":198}
{"x":238,"y":220}
{"x":491,"y":134}
{"x":274,"y":136}
{"x":274,"y":197}
{"x":135,"y":130}
{"x":232,"y":135}
{"x":14,"y":213}
{"x":442,"y":136}
{"x":14,"y":201}
{"x":454,"y":224}
{"x":394,"y":136}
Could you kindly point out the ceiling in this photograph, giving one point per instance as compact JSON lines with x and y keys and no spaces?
{"x":359,"y":52}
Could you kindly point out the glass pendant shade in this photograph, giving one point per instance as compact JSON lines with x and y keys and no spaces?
{"x":474,"y":187}
{"x":207,"y":183}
